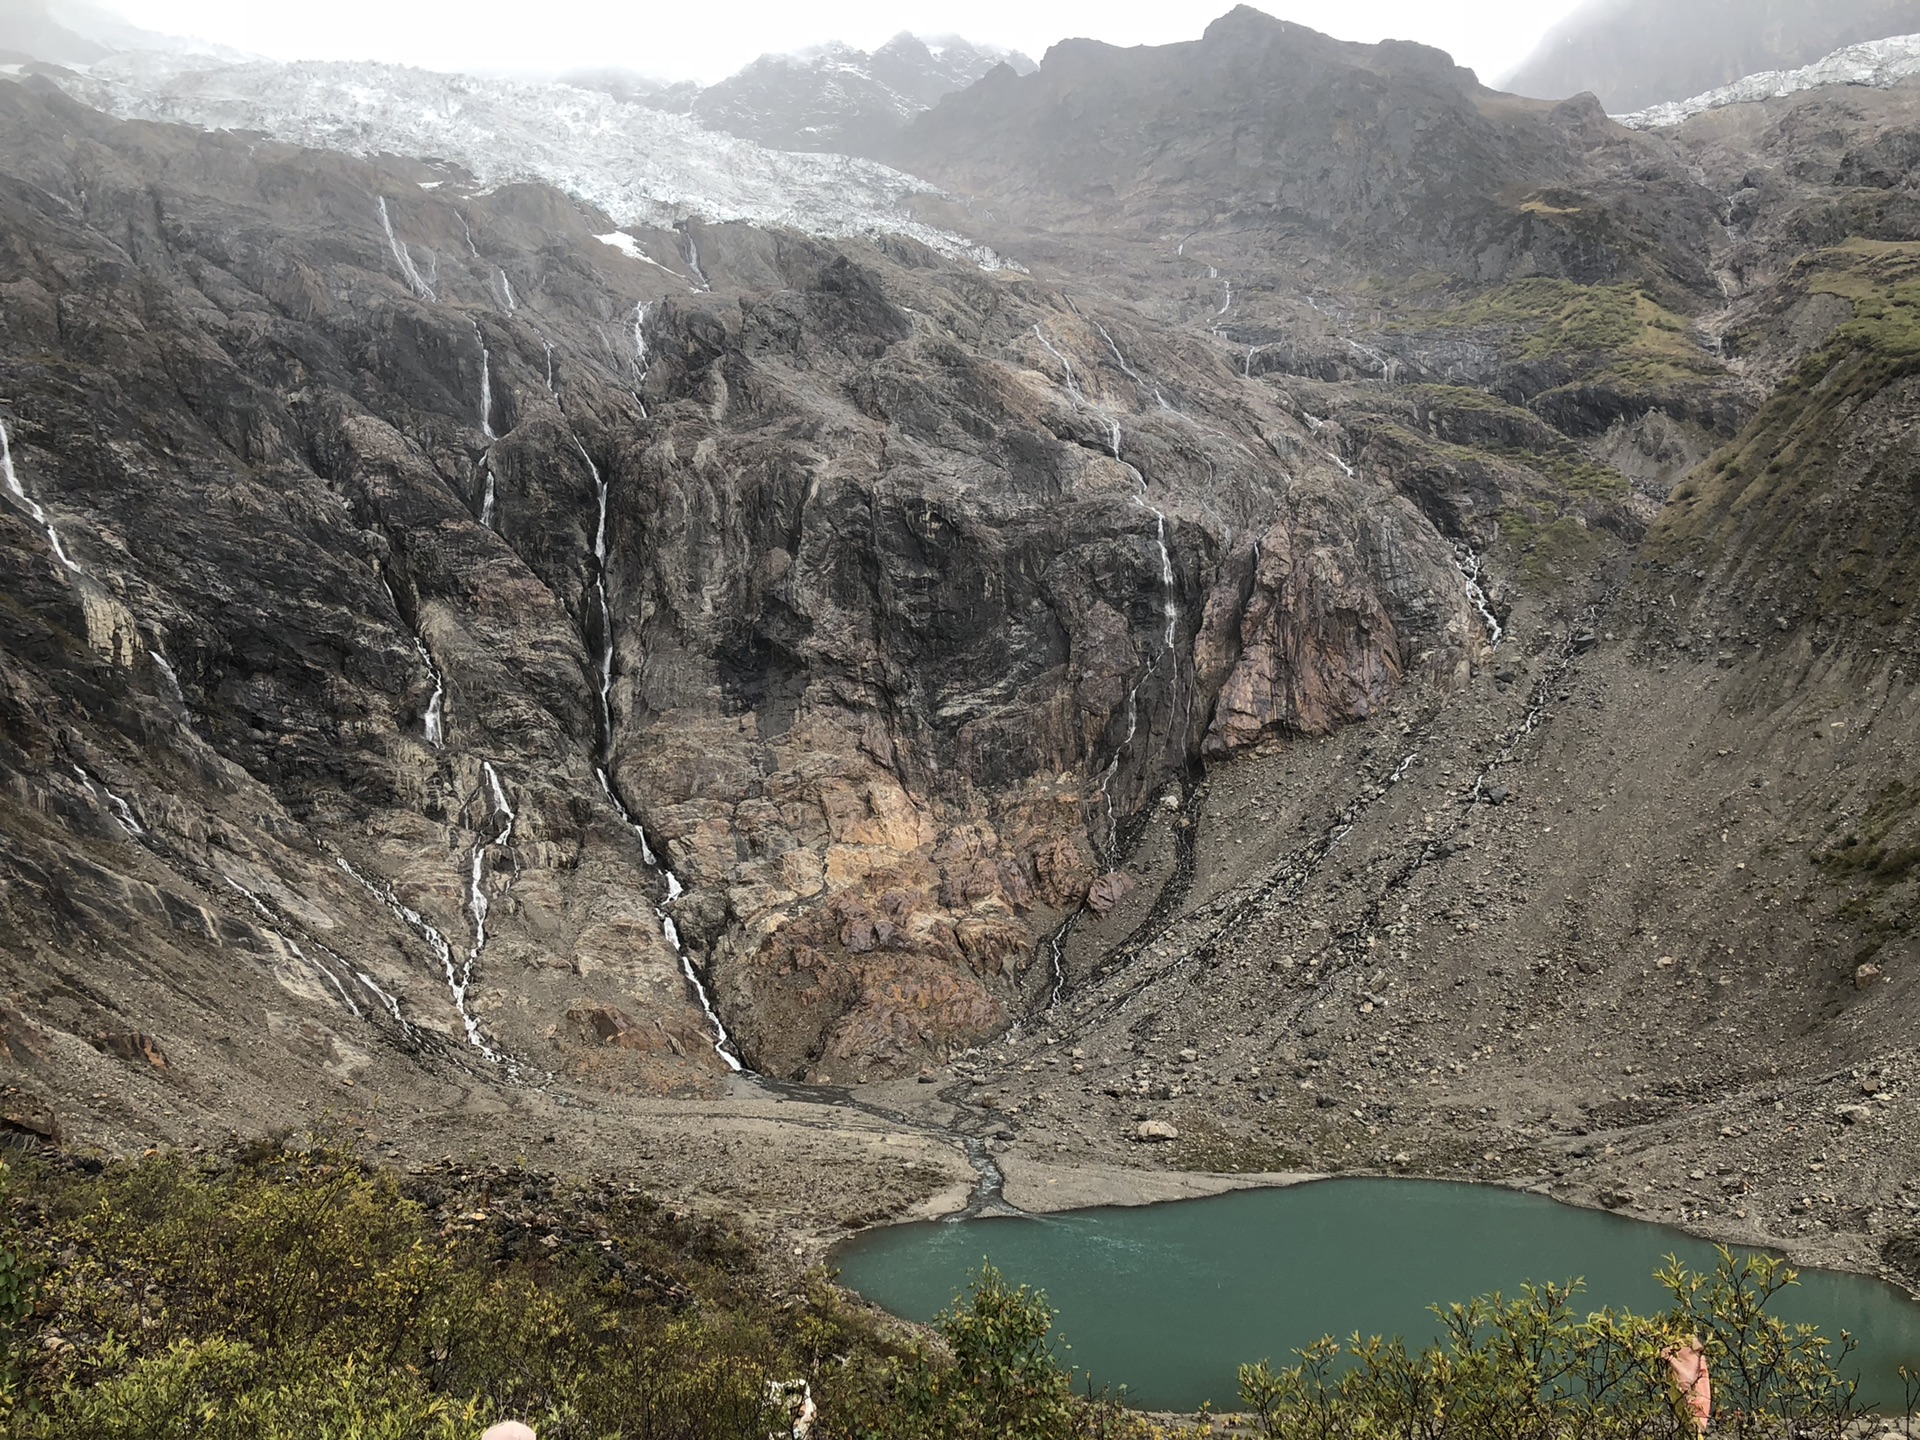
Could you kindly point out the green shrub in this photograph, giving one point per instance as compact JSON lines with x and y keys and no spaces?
{"x":277,"y":1294}
{"x":1535,"y":1369}
{"x":16,"y":1310}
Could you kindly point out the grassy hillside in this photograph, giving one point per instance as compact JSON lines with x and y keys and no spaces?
{"x":1807,"y":515}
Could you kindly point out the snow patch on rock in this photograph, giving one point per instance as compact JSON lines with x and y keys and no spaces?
{"x":639,"y":165}
{"x":1881,"y":64}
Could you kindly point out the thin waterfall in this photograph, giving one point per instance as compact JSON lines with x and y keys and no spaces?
{"x":1468,"y":560}
{"x":693,"y":259}
{"x":1073,"y":385}
{"x":1170,"y":607}
{"x":32,"y":506}
{"x":478,"y":905}
{"x":434,"y":722}
{"x":603,"y":759}
{"x":489,"y":495}
{"x":436,"y":942}
{"x":642,"y":356}
{"x":120,"y":809}
{"x":404,"y":258}
{"x":486,"y":383}
{"x":1146,"y":386}
{"x":275,"y":928}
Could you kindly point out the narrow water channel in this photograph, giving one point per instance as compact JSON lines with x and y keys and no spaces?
{"x":1170,"y":1299}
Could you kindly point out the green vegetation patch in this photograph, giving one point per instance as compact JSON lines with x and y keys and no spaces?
{"x":1759,"y":490}
{"x":1535,"y":1367}
{"x":295,"y":1294}
{"x":1882,"y":281}
{"x":1621,"y":329}
{"x":1551,"y":548}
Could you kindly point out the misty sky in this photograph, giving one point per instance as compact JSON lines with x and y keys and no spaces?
{"x":708,"y":39}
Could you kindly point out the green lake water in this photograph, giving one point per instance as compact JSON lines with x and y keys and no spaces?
{"x":1168,"y":1300}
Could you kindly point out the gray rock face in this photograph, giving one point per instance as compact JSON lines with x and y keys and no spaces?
{"x":1389,"y":156}
{"x":914,"y":590}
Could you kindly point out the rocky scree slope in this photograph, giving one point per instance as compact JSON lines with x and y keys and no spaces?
{"x":383,"y":558}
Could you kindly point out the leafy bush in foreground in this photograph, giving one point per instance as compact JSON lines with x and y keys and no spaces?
{"x":1534,"y":1369}
{"x":284,"y":1293}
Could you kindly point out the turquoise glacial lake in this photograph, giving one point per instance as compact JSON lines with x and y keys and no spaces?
{"x":1169,"y":1300}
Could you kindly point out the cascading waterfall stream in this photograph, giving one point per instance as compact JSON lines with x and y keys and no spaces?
{"x":642,"y":356}
{"x":478,"y":905}
{"x":1169,"y":645}
{"x":32,"y":506}
{"x":1169,"y":592}
{"x":486,"y":383}
{"x":693,"y":259}
{"x":1066,"y":365}
{"x":120,"y":809}
{"x":486,"y":425}
{"x":501,"y":286}
{"x":723,"y":1042}
{"x":434,"y":722}
{"x":1146,"y":386}
{"x":1468,"y":560}
{"x":436,"y":942}
{"x":1316,"y":424}
{"x":404,"y":258}
{"x":274,"y":928}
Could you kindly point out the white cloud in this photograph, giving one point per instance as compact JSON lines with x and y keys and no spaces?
{"x":706,"y":39}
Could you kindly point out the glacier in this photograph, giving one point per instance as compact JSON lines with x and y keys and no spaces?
{"x":638,"y":165}
{"x":1880,"y":64}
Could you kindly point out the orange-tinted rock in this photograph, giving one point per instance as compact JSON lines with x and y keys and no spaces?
{"x":132,"y":1045}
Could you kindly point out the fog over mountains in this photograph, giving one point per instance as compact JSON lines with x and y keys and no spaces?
{"x":1635,"y":54}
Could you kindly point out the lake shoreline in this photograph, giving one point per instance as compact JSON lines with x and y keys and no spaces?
{"x":1286,"y":1257}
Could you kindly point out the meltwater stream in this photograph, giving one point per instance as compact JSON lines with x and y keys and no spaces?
{"x":403,"y":257}
{"x":722,"y":1042}
{"x":1170,"y":1299}
{"x":27,"y":502}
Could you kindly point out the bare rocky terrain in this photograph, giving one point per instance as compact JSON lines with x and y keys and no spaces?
{"x":1386,"y":646}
